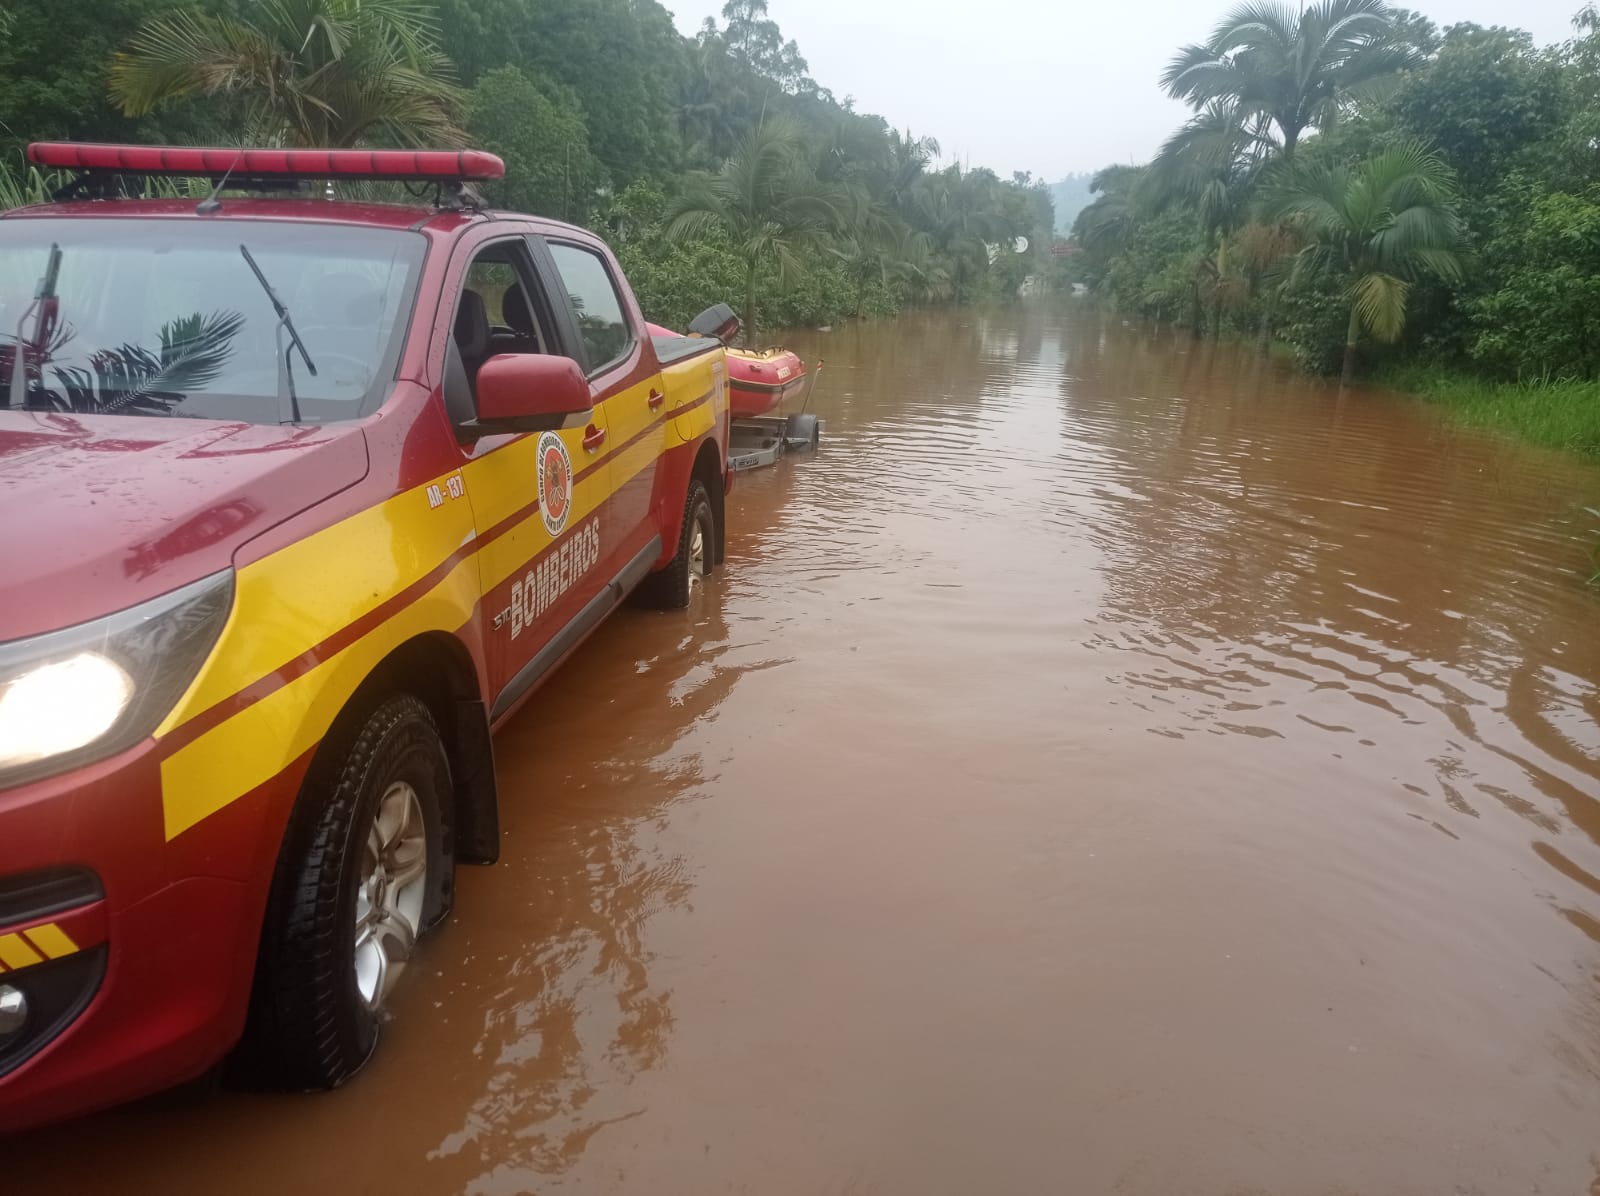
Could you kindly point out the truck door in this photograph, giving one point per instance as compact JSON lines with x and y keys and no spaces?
{"x":539,"y":500}
{"x":626,"y":382}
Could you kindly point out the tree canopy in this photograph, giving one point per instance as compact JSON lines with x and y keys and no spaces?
{"x":604,"y":113}
{"x":1352,"y":171}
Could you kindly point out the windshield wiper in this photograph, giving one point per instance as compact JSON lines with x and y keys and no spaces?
{"x":42,"y":313}
{"x":285,"y":323}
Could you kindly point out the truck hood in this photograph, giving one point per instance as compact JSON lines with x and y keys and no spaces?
{"x":100,"y":512}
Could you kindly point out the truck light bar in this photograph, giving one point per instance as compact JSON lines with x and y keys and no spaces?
{"x":436,"y":166}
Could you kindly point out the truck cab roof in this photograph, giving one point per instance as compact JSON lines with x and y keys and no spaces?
{"x":439,"y":221}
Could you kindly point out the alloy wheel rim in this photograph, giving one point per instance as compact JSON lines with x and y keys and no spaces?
{"x":697,"y":552}
{"x":390,"y":894}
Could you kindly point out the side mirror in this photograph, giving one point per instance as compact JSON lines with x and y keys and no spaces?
{"x":717,"y":321}
{"x":530,"y":392}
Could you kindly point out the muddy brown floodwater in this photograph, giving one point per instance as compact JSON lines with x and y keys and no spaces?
{"x":1113,"y":765}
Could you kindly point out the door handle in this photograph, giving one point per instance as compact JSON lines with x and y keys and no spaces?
{"x":655,"y":400}
{"x":593,"y":438}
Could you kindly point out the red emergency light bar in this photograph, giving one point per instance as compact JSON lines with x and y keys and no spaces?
{"x":438,"y":166}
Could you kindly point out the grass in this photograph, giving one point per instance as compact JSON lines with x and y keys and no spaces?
{"x":1563,"y":415}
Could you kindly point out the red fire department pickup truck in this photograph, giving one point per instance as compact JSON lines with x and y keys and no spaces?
{"x":301,"y":499}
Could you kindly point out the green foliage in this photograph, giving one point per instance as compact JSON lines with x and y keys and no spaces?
{"x":541,"y":134}
{"x":771,"y":207}
{"x":1564,"y":415}
{"x":52,"y":69}
{"x":823,"y":295}
{"x":1543,"y":320}
{"x":674,"y":280}
{"x":603,"y":113}
{"x":1449,"y":202}
{"x":1156,"y":273}
{"x":1482,"y":102}
{"x":1313,"y":314}
{"x":622,"y":59}
{"x":1291,"y":70}
{"x":23,"y":185}
{"x":1380,"y":224}
{"x":302,"y":72}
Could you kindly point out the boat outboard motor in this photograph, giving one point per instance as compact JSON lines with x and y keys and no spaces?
{"x":717,"y":321}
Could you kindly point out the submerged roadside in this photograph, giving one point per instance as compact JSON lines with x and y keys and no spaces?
{"x":1556,"y":414}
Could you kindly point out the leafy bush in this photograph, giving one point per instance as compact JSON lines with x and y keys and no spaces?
{"x":1155,"y":271}
{"x":1544,"y":318}
{"x":535,"y":125}
{"x":674,"y":280}
{"x":1314,"y":315}
{"x":1482,"y":102}
{"x":824,"y":294}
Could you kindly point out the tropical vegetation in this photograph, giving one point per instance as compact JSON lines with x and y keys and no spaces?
{"x":717,"y":165}
{"x":1374,"y":193}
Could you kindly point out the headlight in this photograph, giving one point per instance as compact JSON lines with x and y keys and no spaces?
{"x":86,"y":692}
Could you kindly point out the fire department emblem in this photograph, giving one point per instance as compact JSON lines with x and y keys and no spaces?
{"x":555,"y":482}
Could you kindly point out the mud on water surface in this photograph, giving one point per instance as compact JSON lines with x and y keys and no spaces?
{"x":1114,"y":764}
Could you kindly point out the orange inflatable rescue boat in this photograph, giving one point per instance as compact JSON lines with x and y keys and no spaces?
{"x":758,"y":379}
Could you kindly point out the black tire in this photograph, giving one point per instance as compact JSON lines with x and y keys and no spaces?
{"x":308,"y":1025}
{"x":669,"y":588}
{"x":805,"y":427}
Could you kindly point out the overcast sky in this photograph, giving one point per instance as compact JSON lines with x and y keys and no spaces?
{"x":1049,"y":86}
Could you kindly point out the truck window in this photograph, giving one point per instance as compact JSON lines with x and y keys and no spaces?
{"x":497,"y":312}
{"x":601,"y":324}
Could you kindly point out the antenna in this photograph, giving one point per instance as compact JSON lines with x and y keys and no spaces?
{"x":211,"y":203}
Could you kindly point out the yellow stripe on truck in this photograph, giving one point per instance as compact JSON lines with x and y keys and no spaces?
{"x":315,"y":587}
{"x":290,"y":602}
{"x":52,"y":940}
{"x":263,"y":739}
{"x":15,"y":952}
{"x":306,"y":591}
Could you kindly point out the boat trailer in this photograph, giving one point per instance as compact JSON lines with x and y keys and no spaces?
{"x":757,"y":440}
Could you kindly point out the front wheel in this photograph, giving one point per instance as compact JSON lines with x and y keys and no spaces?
{"x":367,"y":866}
{"x":670,"y":588}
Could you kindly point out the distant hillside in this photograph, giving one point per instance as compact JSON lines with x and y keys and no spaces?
{"x":1071,"y":196}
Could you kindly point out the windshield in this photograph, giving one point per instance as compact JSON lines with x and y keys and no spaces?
{"x":158,"y":317}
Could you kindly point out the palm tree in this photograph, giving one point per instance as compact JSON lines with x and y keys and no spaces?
{"x":908,"y":159}
{"x":883,"y":248}
{"x":1265,"y":252}
{"x":767,"y":201}
{"x":714,"y":102}
{"x":1292,"y":67}
{"x":307,"y":72}
{"x":1212,"y":166}
{"x":1380,"y":224}
{"x":962,"y":213}
{"x":1103,"y":225}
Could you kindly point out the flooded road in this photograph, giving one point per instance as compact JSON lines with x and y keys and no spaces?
{"x":1113,"y":765}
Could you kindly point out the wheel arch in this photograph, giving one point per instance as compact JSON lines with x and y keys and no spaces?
{"x":707,"y":469}
{"x":437,"y":669}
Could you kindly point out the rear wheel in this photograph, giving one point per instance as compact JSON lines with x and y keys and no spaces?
{"x":696,"y":557}
{"x":366,"y":868}
{"x":803,"y":428}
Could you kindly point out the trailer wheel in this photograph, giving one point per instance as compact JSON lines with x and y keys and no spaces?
{"x":366,"y":868}
{"x":803,"y":427}
{"x":669,"y":589}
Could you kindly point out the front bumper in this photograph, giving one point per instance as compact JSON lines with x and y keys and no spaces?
{"x":140,"y":981}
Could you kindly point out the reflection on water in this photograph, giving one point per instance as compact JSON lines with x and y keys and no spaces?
{"x":1113,"y":764}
